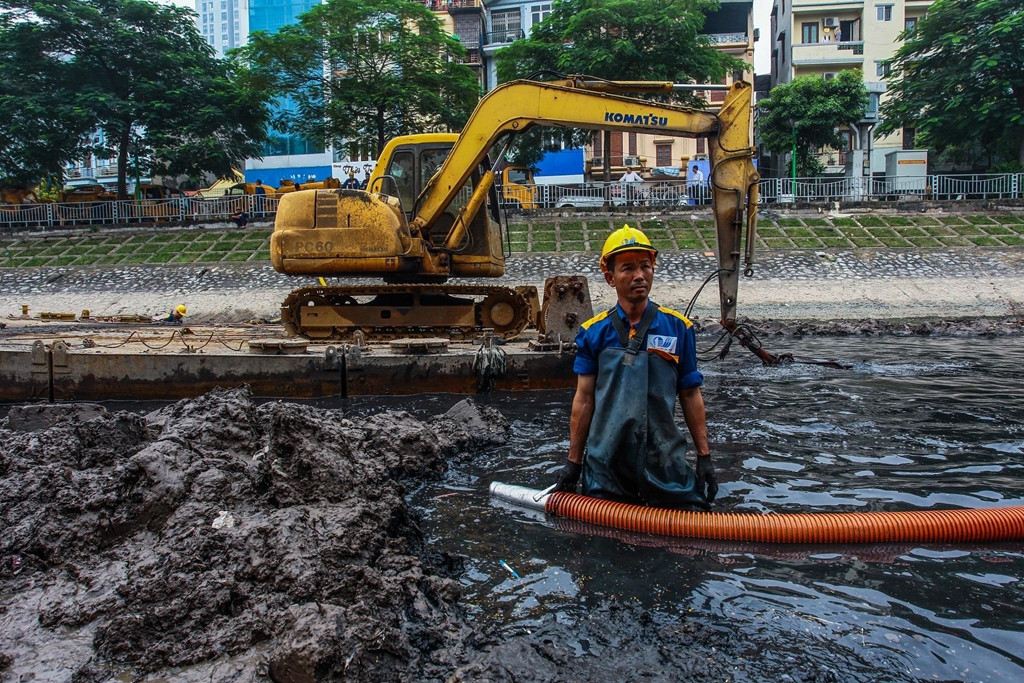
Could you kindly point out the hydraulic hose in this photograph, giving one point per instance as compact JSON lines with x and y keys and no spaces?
{"x":916,"y":526}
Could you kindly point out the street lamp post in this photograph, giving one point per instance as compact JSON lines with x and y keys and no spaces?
{"x":792,"y":170}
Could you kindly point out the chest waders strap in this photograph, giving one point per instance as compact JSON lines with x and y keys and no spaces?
{"x":633,"y":344}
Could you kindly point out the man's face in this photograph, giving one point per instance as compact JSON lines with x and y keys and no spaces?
{"x":632,"y":275}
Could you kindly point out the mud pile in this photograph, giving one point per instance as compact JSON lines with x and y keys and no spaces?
{"x":221,"y":539}
{"x":218,"y":539}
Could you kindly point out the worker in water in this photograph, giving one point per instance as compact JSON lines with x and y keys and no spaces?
{"x":175,"y":317}
{"x":632,"y":362}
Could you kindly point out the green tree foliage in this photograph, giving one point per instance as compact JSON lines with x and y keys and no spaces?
{"x":810,"y":109}
{"x":143,"y":75}
{"x":959,"y":76}
{"x":658,"y":40}
{"x":39,"y":127}
{"x":390,"y":70}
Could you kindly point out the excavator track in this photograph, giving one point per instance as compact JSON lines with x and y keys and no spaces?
{"x":384,"y":312}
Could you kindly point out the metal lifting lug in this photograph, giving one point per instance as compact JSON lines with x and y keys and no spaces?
{"x":331,"y":358}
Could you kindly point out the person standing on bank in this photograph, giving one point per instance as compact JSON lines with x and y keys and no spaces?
{"x":350,"y":183}
{"x":632,"y":181}
{"x":632,"y":362}
{"x":696,"y":185}
{"x":260,"y":196}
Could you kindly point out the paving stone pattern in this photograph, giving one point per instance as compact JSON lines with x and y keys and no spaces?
{"x":532,"y":236}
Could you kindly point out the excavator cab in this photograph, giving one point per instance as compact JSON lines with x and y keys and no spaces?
{"x":406,"y":166}
{"x":371,"y":233}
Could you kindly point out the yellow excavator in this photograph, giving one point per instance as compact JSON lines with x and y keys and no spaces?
{"x":429,"y":214}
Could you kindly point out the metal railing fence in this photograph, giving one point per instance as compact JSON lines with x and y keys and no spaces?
{"x":787,"y":190}
{"x":179,"y":210}
{"x":659,"y":193}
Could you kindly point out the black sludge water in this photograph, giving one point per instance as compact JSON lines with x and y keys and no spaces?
{"x":916,"y":423}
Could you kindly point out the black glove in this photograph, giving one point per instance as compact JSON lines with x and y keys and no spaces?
{"x":707,"y":482}
{"x":568,"y":477}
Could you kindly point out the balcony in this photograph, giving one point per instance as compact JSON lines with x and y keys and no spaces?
{"x":464,"y":6}
{"x":739,"y":38}
{"x":848,"y":52}
{"x":472,"y":57}
{"x":503,"y":37}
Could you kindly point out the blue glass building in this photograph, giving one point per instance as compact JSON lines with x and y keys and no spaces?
{"x":287,"y":156}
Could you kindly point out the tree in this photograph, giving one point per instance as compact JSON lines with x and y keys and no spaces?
{"x":809,"y":111}
{"x":363,"y":71}
{"x":959,"y":76}
{"x":39,"y":128}
{"x":143,"y":75}
{"x":657,"y":40}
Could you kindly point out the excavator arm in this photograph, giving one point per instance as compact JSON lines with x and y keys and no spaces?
{"x":580,"y":103}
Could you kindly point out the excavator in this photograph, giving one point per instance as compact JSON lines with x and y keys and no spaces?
{"x":429,"y":214}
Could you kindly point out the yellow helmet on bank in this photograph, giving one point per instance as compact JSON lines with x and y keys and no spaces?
{"x":180,"y":308}
{"x":625,"y":239}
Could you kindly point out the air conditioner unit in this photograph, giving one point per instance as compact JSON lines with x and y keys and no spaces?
{"x":631,"y":161}
{"x":829,"y":75}
{"x":830,"y":22}
{"x":74,"y":173}
{"x":108,"y":170}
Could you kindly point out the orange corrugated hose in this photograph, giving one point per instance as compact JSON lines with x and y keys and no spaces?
{"x":922,"y":526}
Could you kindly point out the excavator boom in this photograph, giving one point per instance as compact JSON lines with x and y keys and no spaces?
{"x":518,"y":105}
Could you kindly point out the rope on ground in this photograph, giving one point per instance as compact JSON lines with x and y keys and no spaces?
{"x":176,"y":334}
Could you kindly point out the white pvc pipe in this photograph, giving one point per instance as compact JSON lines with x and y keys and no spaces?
{"x":520,"y":495}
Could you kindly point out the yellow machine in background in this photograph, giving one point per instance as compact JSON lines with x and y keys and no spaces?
{"x":21,"y":196}
{"x":430,"y":213}
{"x":292,"y":186}
{"x":518,"y":191}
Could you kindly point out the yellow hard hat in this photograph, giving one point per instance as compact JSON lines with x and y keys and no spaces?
{"x":180,"y":308}
{"x":625,"y":239}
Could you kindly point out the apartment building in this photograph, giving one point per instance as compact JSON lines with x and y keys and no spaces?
{"x":822,"y":38}
{"x":223,"y":23}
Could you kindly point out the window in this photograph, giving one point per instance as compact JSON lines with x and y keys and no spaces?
{"x":632,"y":144}
{"x":910,"y":23}
{"x":598,"y":144}
{"x":882,"y":69}
{"x":702,"y":146}
{"x":508,"y":23}
{"x":663,"y":154}
{"x":539,"y":13}
{"x":809,"y":33}
{"x":883,"y":12}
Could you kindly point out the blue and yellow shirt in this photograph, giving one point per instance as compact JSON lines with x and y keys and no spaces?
{"x":671,"y":336}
